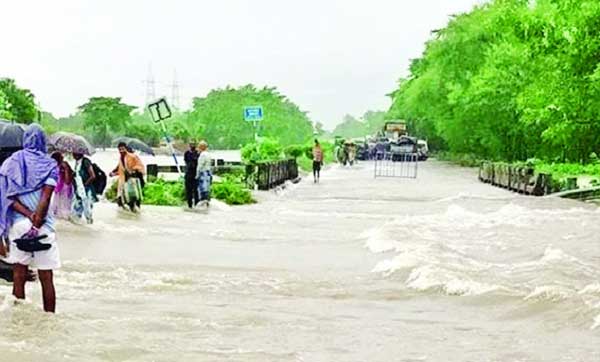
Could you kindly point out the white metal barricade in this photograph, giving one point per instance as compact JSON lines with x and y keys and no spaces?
{"x":400,"y":165}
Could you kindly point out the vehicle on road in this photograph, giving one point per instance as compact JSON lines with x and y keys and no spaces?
{"x":393,"y":130}
{"x":422,"y":150}
{"x":401,"y":148}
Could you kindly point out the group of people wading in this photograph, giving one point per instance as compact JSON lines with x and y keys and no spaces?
{"x":78,"y":187}
{"x":36,"y":189}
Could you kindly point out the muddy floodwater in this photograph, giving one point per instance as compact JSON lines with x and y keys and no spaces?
{"x":441,"y":268}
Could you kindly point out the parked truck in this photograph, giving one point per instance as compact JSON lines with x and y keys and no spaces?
{"x":400,"y":143}
{"x":393,"y":130}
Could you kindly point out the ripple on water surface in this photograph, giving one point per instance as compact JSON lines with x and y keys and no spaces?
{"x":529,"y":255}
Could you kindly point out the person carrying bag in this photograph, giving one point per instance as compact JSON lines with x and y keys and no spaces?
{"x":130,"y":171}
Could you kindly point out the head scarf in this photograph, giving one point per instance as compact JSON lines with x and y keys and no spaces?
{"x":25,"y":171}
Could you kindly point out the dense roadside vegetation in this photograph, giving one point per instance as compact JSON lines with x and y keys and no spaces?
{"x":511,"y":80}
{"x":218,"y":118}
{"x":229,"y":189}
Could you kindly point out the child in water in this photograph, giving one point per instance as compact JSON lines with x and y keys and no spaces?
{"x":63,"y":192}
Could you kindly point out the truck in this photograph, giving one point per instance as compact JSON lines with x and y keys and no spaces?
{"x":400,"y":143}
{"x":393,"y":130}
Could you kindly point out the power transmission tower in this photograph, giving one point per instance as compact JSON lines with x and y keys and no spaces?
{"x":150,"y":85}
{"x":175,"y":91}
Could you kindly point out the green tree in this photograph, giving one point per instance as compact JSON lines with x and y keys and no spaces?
{"x":49,"y":122}
{"x":218,"y":118}
{"x":319,"y":129}
{"x":374,"y":121}
{"x":512,"y":79}
{"x":143,"y":128}
{"x":4,"y":106}
{"x":370,"y":124}
{"x":350,"y":127}
{"x":71,"y":123}
{"x":21,"y":101}
{"x":105,"y":115}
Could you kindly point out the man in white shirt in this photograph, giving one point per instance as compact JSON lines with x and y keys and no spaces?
{"x":204,"y":174}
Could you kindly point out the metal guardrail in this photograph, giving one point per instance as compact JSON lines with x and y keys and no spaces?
{"x":521,"y":179}
{"x":268,"y":175}
{"x":399,"y":165}
{"x":154,"y":169}
{"x":265,"y":175}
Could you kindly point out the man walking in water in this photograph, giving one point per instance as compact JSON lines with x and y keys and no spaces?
{"x":130,"y":171}
{"x":191,"y":185}
{"x":317,"y":152}
{"x":27,"y":181}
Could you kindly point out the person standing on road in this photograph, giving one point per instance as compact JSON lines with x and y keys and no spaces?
{"x":85,"y":193}
{"x":204,"y":173}
{"x":191,"y":185}
{"x":317,"y":152}
{"x":27,"y":181}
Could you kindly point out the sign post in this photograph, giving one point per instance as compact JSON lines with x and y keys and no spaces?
{"x":254,"y":114}
{"x":160,"y":111}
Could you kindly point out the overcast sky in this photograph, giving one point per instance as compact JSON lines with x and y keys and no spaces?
{"x":331,"y":57}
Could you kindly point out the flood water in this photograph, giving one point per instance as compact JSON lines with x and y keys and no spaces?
{"x":442,"y":268}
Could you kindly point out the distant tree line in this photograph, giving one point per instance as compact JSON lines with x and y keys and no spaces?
{"x":218,"y":118}
{"x":370,"y":124}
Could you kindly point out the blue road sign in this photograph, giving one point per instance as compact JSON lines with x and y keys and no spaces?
{"x":253,"y":114}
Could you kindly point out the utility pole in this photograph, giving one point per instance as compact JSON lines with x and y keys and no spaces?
{"x":150,"y":85}
{"x":175,"y":91}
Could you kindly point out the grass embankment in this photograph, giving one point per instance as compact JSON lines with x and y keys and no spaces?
{"x":586,"y":174}
{"x":230,"y":189}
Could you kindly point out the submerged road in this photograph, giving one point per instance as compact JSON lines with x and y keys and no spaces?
{"x":441,"y":268}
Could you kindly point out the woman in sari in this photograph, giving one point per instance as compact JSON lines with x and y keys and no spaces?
{"x":63,"y":193}
{"x":27,"y":181}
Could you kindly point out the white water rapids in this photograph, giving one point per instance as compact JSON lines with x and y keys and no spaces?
{"x":442,"y":268}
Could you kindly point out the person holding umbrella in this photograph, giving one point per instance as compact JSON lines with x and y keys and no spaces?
{"x":134,"y":144}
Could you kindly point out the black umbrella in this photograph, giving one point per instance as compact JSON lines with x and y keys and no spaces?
{"x":11,"y":134}
{"x":11,"y":138}
{"x":135,"y":144}
{"x":71,"y":143}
